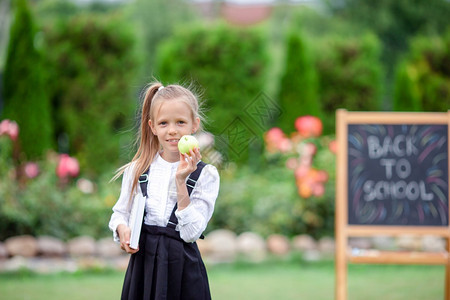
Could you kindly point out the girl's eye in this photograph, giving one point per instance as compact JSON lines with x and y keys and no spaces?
{"x":181,"y":122}
{"x":162,"y":123}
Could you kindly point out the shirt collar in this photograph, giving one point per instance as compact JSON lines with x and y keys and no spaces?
{"x":164,"y":163}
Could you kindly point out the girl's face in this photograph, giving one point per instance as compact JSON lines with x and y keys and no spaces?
{"x":171,"y":121}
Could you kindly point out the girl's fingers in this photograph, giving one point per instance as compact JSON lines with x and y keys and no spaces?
{"x":192,"y":154}
{"x":126,"y":247}
{"x":188,"y":162}
{"x":199,"y":155}
{"x":195,"y":155}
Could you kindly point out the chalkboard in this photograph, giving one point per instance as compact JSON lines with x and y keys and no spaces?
{"x":398,"y":174}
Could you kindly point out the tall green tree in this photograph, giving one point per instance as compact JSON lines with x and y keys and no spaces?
{"x":350,"y":75}
{"x":424,"y":76}
{"x":298,"y":94}
{"x":395,"y":21}
{"x":156,"y":21}
{"x":406,"y":92}
{"x":93,"y":63}
{"x":230,"y":64}
{"x":25,"y":98}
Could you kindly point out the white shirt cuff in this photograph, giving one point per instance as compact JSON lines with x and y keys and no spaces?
{"x":115,"y":234}
{"x":187,"y":215}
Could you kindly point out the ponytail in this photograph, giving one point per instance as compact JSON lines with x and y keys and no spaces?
{"x":147,"y":142}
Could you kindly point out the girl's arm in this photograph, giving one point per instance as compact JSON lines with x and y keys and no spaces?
{"x":194,"y":217}
{"x":121,"y":210}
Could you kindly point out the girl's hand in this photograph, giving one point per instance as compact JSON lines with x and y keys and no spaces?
{"x":124,"y":233}
{"x":188,"y":164}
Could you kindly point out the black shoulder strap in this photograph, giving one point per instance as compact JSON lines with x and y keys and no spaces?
{"x":193,"y":177}
{"x":190,"y":184}
{"x":143,"y":181}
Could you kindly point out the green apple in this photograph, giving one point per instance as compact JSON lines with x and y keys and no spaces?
{"x":187,"y":143}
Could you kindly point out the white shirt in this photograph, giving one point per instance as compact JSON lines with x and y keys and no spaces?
{"x":162,"y":197}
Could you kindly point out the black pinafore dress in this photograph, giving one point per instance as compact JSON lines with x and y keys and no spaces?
{"x":166,"y":267}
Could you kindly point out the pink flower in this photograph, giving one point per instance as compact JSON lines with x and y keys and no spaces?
{"x":309,"y":149}
{"x":309,"y":126}
{"x":284,"y":145}
{"x":275,"y":140}
{"x":318,"y":190}
{"x":310,"y":181}
{"x":4,"y":127}
{"x":322,"y":176}
{"x":292,"y":163}
{"x":31,"y":169}
{"x":67,"y":166}
{"x":9,"y":128}
{"x":86,"y":186}
{"x":274,"y":135}
{"x":333,"y":146}
{"x":302,"y":171}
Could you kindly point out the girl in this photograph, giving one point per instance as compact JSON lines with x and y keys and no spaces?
{"x":167,"y":263}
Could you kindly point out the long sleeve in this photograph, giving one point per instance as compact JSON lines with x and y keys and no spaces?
{"x":192,"y":220}
{"x":121,"y":210}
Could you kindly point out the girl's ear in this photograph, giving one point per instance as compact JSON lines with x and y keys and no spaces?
{"x":196,"y":125}
{"x":150,"y":124}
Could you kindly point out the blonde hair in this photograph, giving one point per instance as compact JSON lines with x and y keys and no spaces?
{"x":147,"y":142}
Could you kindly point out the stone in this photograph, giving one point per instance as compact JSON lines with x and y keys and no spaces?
{"x":433,"y":243}
{"x":409,"y":242}
{"x":252,"y":246}
{"x":47,"y":265}
{"x":360,"y":243}
{"x":278,"y":244}
{"x":50,"y":246}
{"x":82,"y":246}
{"x":15,"y":263}
{"x":327,"y":245}
{"x":120,"y":262}
{"x":223,"y":246}
{"x":304,"y":243}
{"x":381,"y":242}
{"x":311,"y":255}
{"x":23,"y":245}
{"x":90,"y":263}
{"x":106,"y":247}
{"x":3,"y":252}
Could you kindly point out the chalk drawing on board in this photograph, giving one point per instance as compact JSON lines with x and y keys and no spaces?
{"x":398,"y":174}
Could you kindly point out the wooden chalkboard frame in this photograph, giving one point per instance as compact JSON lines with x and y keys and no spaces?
{"x":344,"y":230}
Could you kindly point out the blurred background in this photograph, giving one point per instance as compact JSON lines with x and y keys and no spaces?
{"x":271,"y":75}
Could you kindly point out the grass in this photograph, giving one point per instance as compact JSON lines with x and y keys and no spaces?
{"x":280,"y":280}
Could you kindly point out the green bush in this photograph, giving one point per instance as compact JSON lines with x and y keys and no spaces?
{"x":268,"y":201}
{"x":25,"y":98}
{"x":394,"y":22}
{"x":155,"y":21}
{"x":350,"y":75}
{"x":229,"y":64}
{"x":424,"y":77}
{"x":261,"y":202}
{"x":298,"y":91}
{"x":346,"y":59}
{"x":48,"y":205}
{"x":93,"y":67}
{"x":406,"y":93}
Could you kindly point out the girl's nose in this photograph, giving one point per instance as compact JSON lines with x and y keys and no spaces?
{"x":172,"y":130}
